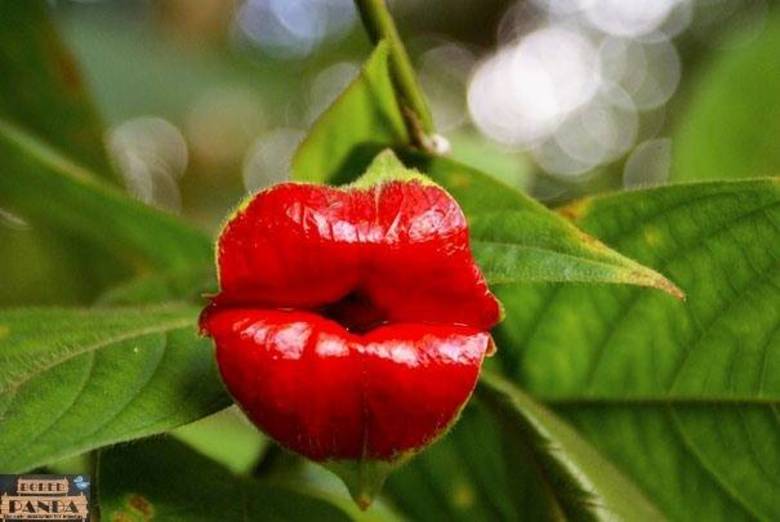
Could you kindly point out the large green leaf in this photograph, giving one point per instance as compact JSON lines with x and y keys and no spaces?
{"x":364,"y":120}
{"x":48,"y":189}
{"x":682,"y":395}
{"x":512,"y":459}
{"x":162,"y":479}
{"x":517,"y":240}
{"x":73,"y":380}
{"x":41,"y":89}
{"x":731,"y":127}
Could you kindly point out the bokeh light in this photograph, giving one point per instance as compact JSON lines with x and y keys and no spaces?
{"x":583,"y":83}
{"x":327,"y":86}
{"x":521,"y":94}
{"x":10,"y":220}
{"x":628,"y":18}
{"x":648,"y":164}
{"x":444,"y":73}
{"x":268,"y":160}
{"x":151,"y":154}
{"x":222,"y":123}
{"x":294,"y":28}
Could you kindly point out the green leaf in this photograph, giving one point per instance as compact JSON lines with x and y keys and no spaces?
{"x":466,"y":476}
{"x":41,"y":270}
{"x":48,"y":189}
{"x":517,"y":240}
{"x":41,"y":89}
{"x":228,"y":437}
{"x":581,"y":485}
{"x":363,"y":121}
{"x":162,"y":479}
{"x":285,"y":468}
{"x":74,"y":380}
{"x":731,"y":126}
{"x":509,"y":458}
{"x":683,"y":396}
{"x":191,"y":285}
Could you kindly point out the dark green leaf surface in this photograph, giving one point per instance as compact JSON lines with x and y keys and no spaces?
{"x":517,"y":240}
{"x":509,"y":458}
{"x":363,"y":121}
{"x":74,"y":380}
{"x":48,"y":189}
{"x":162,"y":479}
{"x":683,"y":396}
{"x":731,"y":127}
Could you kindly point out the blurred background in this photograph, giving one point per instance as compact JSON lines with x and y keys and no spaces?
{"x":205,"y":100}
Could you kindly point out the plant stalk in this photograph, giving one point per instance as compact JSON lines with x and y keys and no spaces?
{"x":380,"y":26}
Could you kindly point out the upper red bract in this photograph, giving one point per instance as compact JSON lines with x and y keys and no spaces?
{"x":350,"y":323}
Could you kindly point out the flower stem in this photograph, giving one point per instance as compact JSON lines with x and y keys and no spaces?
{"x":380,"y":26}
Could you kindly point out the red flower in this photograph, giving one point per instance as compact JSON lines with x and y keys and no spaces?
{"x":351,"y":324}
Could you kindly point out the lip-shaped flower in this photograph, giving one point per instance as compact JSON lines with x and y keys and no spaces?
{"x":351,"y":323}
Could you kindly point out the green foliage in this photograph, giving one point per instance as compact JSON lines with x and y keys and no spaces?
{"x":682,"y":395}
{"x":517,"y":240}
{"x":539,"y":468}
{"x":190,"y":285}
{"x":73,"y":380}
{"x":47,"y":188}
{"x":363,"y":121}
{"x":731,"y":126}
{"x":41,"y":88}
{"x":42,"y":93}
{"x":164,"y":480}
{"x":227,"y":437}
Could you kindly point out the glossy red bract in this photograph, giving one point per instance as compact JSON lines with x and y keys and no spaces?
{"x":350,"y":323}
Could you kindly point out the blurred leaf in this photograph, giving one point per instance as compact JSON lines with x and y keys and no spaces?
{"x":41,"y":89}
{"x":227,"y":437}
{"x":42,"y":269}
{"x":157,"y":75}
{"x":362,"y":122}
{"x":73,"y":380}
{"x":511,"y":459}
{"x":731,"y":127}
{"x":190,"y":285}
{"x":41,"y":92}
{"x":682,"y":396}
{"x":162,"y":479}
{"x":48,"y":189}
{"x":517,"y":240}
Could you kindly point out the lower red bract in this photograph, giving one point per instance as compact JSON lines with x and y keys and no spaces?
{"x":330,"y":394}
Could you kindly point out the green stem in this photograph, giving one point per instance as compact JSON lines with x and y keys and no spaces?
{"x":380,"y":26}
